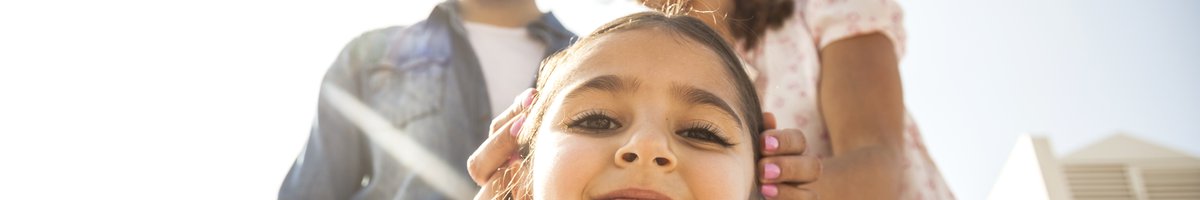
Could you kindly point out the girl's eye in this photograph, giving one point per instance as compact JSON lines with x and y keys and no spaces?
{"x":704,"y":132}
{"x":595,"y":121}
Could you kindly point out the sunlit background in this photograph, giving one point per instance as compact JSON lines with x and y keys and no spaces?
{"x":214,"y":99}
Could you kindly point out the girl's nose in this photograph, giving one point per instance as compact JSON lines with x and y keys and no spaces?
{"x":632,"y":157}
{"x":646,"y":152}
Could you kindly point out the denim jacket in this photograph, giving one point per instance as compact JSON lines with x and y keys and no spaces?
{"x":427,"y":82}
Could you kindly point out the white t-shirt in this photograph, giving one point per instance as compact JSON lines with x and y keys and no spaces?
{"x":509,"y":58}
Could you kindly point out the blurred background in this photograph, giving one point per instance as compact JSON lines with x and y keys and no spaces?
{"x":214,"y":99}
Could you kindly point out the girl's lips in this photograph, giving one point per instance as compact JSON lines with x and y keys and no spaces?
{"x":633,"y":194}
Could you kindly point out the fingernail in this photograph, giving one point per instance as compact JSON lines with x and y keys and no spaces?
{"x":770,"y":191}
{"x":771,"y":171}
{"x":529,"y":97}
{"x":770,"y":143}
{"x":515,"y":130}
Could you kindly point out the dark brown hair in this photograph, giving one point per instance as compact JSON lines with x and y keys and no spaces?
{"x":689,"y":28}
{"x":750,"y":19}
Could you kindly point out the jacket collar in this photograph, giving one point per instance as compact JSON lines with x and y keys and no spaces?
{"x":546,"y":29}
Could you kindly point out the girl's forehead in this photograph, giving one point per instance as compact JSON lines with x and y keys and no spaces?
{"x":648,"y":51}
{"x":656,"y":61}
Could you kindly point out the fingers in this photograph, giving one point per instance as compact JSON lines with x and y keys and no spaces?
{"x":491,"y":155}
{"x":520,"y":103}
{"x":502,"y":140}
{"x":501,"y":185}
{"x":798,"y":169}
{"x":783,"y":142}
{"x":488,"y":192}
{"x":783,"y":191}
{"x":768,"y":120}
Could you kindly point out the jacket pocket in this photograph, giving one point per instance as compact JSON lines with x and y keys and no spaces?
{"x":408,"y":91}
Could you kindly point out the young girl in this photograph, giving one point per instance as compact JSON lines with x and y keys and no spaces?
{"x":648,"y":106}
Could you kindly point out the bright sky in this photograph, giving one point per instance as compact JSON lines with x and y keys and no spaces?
{"x":214,"y":99}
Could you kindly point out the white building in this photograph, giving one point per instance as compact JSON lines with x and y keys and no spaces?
{"x":1118,"y":167}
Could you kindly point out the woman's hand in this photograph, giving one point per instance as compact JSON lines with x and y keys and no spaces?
{"x":785,"y":168}
{"x":498,"y":152}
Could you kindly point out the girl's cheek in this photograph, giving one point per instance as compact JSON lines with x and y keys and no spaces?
{"x":558,"y":154}
{"x":715,"y":176}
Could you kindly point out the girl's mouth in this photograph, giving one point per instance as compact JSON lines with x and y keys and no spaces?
{"x":632,"y":194}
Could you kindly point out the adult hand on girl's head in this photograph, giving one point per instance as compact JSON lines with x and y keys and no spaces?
{"x":785,"y":167}
{"x":499,"y":151}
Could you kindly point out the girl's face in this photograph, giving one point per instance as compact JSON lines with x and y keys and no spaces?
{"x":643,"y":114}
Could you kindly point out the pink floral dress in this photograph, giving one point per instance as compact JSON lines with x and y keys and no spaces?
{"x":786,"y":69}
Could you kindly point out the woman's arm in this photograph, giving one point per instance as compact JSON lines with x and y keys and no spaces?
{"x":863,"y":107}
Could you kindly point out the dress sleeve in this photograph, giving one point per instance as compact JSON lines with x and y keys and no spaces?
{"x":833,"y":20}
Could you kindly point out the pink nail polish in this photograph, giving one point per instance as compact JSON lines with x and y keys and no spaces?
{"x":515,"y":130}
{"x":770,"y":191}
{"x":771,"y":171}
{"x":529,"y":98}
{"x":770,"y":143}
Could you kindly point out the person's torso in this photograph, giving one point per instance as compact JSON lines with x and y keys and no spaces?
{"x":424,"y":90}
{"x":787,"y":73}
{"x":428,"y":82}
{"x":509,"y":58}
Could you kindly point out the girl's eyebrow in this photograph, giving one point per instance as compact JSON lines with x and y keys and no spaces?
{"x":606,"y":83}
{"x":693,"y":95}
